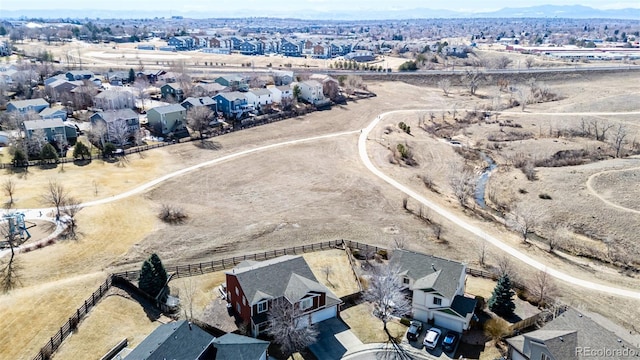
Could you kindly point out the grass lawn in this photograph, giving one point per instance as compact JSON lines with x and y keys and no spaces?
{"x":478,"y":286}
{"x":367,"y":327}
{"x":340,"y":280}
{"x":203,"y":288}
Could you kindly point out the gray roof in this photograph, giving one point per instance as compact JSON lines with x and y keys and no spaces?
{"x":288,"y":276}
{"x":171,"y":341}
{"x":52,"y":111}
{"x":201,"y":101}
{"x":174,"y":86}
{"x":238,"y":347}
{"x":260,"y":91}
{"x":113,"y":94}
{"x":20,"y":104}
{"x":113,"y":115}
{"x":233,"y":95}
{"x":166,"y":109}
{"x":43,"y":124}
{"x":572,"y":330}
{"x":443,"y":279}
{"x":312,"y":83}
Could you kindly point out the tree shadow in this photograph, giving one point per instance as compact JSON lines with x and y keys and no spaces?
{"x":48,"y":166}
{"x":152,"y":312}
{"x":208,"y":145}
{"x":80,"y":162}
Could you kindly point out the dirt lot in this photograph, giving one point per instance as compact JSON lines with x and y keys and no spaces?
{"x":294,"y":195}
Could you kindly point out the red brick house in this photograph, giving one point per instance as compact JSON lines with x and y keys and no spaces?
{"x":253,"y":285}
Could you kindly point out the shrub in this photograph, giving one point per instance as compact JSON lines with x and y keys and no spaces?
{"x":480,"y":302}
{"x":172,"y":215}
{"x":405,"y":321}
{"x":383,"y":253}
{"x":545,"y":196}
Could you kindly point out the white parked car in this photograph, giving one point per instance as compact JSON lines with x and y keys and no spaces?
{"x":431,"y":338}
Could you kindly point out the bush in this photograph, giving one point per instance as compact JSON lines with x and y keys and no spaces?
{"x":408,"y":66}
{"x":545,"y":196}
{"x":405,"y":321}
{"x":172,"y":215}
{"x":383,"y":253}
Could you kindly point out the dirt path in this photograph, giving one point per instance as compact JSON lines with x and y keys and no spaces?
{"x":364,"y":156}
{"x":596,"y":194}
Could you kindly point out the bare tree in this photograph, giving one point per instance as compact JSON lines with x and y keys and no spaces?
{"x":327,"y":270}
{"x":119,"y":132}
{"x":542,"y":287}
{"x":529,"y":61}
{"x":461,"y":182}
{"x":288,"y":328}
{"x":385,"y":292}
{"x":482,"y":252}
{"x":187,"y":296}
{"x":619,"y":139}
{"x":445,"y":85}
{"x":9,"y":187}
{"x":141,"y":84}
{"x":502,"y":62}
{"x":559,"y":237}
{"x":523,"y":220}
{"x":473,"y":79}
{"x":504,"y":266}
{"x":524,"y":96}
{"x":55,"y":196}
{"x":9,"y":278}
{"x":70,"y":209}
{"x":198,"y":119}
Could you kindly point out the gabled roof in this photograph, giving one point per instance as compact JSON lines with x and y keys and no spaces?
{"x":176,"y":340}
{"x":311,"y":83}
{"x":463,"y":305}
{"x":557,"y":336}
{"x":286,"y":276}
{"x":260,"y":92}
{"x":52,"y":111}
{"x":200,"y":101}
{"x":429,"y":272}
{"x":238,"y":347}
{"x":43,"y":124}
{"x":113,"y":115}
{"x":167,"y":109}
{"x":113,"y":94}
{"x":232,"y":96}
{"x":21,"y":104}
{"x":174,"y":86}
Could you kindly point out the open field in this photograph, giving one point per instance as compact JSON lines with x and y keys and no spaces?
{"x":300,"y":194}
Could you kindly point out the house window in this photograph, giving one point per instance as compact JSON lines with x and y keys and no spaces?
{"x":437,"y":301}
{"x":237,"y":291}
{"x":405,"y":281}
{"x":544,"y":357}
{"x":239,"y":308}
{"x":262,"y":307}
{"x":306,"y":303}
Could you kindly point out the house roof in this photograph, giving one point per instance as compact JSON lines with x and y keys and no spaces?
{"x":176,"y":340}
{"x":167,"y":109}
{"x":43,"y":124}
{"x":288,"y":276}
{"x":80,"y":72}
{"x":557,"y":334}
{"x":260,"y":92}
{"x":113,"y":94}
{"x":429,"y":272}
{"x":212,"y":87}
{"x":238,"y":347}
{"x":233,"y":95}
{"x":21,"y":104}
{"x":200,"y":101}
{"x":113,"y":115}
{"x":463,"y":305}
{"x":174,"y":86}
{"x":232,"y":78}
{"x":52,"y":111}
{"x":311,"y":83}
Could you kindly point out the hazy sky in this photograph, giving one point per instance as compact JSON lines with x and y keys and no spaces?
{"x":292,"y":5}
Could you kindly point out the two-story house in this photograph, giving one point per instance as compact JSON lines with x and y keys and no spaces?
{"x":120,"y":125}
{"x":290,"y":48}
{"x":172,"y":91}
{"x":312,"y":91}
{"x":190,"y":102}
{"x":55,"y":112}
{"x":25,"y":106}
{"x":52,"y":131}
{"x":168,"y":119}
{"x":251,"y":47}
{"x":261,"y":99}
{"x":252,"y":286}
{"x":114,"y":99}
{"x":234,"y":82}
{"x":232,"y":104}
{"x":437,"y":287}
{"x":181,"y":42}
{"x":282,"y":92}
{"x":571,"y":336}
{"x":79,"y":75}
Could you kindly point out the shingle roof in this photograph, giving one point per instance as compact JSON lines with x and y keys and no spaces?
{"x":201,"y":101}
{"x":463,"y":305}
{"x":113,"y":115}
{"x":233,"y":95}
{"x":52,"y":111}
{"x":43,"y":124}
{"x":113,"y":94}
{"x":260,"y":92}
{"x":558,"y":334}
{"x":288,"y":276}
{"x":443,"y":279}
{"x":238,"y":347}
{"x":172,"y":341}
{"x":20,"y":104}
{"x":166,"y":109}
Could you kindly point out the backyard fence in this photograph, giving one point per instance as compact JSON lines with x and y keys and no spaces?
{"x":65,"y":330}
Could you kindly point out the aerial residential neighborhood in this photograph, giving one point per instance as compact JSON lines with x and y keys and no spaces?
{"x":310,"y":181}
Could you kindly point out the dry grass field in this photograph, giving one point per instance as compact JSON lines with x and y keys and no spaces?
{"x":311,"y":192}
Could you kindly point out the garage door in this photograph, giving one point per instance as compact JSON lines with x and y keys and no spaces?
{"x":324,"y":314}
{"x":447,"y":323}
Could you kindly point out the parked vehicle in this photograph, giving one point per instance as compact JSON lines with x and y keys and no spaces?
{"x":450,"y":341}
{"x":415,"y":328}
{"x":432,"y":337}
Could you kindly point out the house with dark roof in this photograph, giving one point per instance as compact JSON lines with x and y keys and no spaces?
{"x":190,"y":102}
{"x":233,"y":104}
{"x":177,"y":340}
{"x":437,"y":287}
{"x":168,"y":119}
{"x":252,"y":286}
{"x":52,"y":131}
{"x":172,"y":91}
{"x":235,"y":82}
{"x":121,"y":125}
{"x":572,"y":335}
{"x":79,"y":75}
{"x":238,"y":347}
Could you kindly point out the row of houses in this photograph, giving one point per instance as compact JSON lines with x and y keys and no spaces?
{"x":259,"y":46}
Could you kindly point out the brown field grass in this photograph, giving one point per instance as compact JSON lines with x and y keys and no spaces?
{"x":368,"y":328}
{"x":340,"y":280}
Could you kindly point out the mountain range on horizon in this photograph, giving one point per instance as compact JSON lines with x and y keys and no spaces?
{"x":540,"y":11}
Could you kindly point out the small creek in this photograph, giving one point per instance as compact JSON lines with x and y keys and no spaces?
{"x":481,"y":184}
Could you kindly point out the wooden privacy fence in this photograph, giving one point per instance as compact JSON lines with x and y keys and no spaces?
{"x":65,"y":330}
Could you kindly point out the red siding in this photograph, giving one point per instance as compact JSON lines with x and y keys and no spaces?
{"x":232,"y":284}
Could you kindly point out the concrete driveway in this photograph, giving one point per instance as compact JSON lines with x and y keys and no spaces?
{"x":335,"y":338}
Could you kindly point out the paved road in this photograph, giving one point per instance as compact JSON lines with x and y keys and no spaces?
{"x":364,"y":156}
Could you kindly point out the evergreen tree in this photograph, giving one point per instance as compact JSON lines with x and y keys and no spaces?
{"x":81,"y":150}
{"x":501,"y":301}
{"x":132,"y":76}
{"x":153,"y":276}
{"x":49,"y":153}
{"x":19,"y":157}
{"x":146,"y":277}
